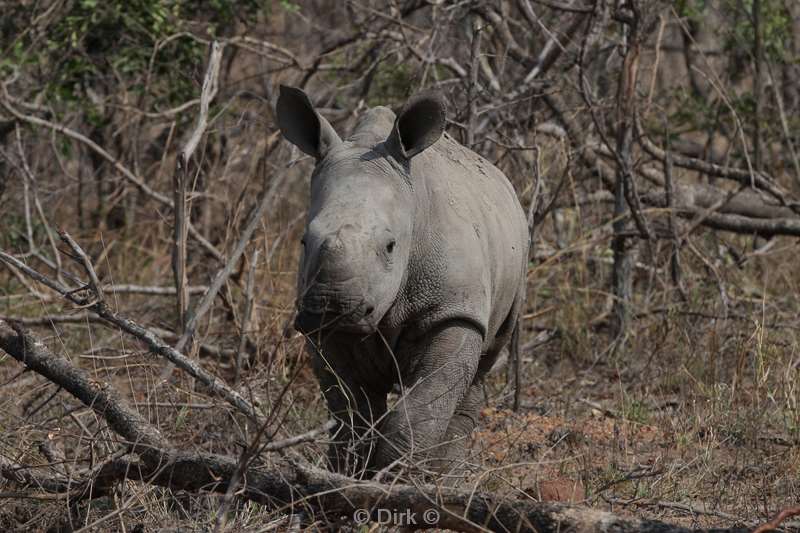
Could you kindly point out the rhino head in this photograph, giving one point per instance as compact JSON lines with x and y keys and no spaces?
{"x":360,"y":229}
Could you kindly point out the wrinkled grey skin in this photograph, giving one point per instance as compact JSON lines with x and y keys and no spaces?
{"x":412,"y":273}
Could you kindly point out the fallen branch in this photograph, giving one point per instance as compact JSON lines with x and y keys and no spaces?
{"x":128,"y":424}
{"x":763,"y":227}
{"x":21,"y":476}
{"x":328,"y":496}
{"x":720,"y":215}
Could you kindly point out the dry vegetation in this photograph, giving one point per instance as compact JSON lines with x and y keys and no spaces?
{"x":660,"y":345}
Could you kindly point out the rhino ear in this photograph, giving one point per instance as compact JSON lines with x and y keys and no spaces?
{"x":302,"y":125}
{"x":418,"y":125}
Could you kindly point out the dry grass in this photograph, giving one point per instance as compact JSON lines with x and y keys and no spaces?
{"x":693,"y":420}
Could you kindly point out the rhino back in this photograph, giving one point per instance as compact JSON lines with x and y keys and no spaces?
{"x":477,"y":238}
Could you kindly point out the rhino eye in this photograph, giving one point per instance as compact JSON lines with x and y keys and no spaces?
{"x":390,"y":246}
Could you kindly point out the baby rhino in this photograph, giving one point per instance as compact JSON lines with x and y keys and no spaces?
{"x":412,"y":276}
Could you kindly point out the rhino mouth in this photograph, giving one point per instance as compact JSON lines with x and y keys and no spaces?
{"x":311,"y":323}
{"x":314,"y":319}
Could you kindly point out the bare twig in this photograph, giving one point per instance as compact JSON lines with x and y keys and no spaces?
{"x":94,"y":282}
{"x":308,"y":436}
{"x":675,"y":265}
{"x":151,"y":290}
{"x":757,"y":84}
{"x":222,"y":275}
{"x":180,"y":223}
{"x":788,"y":138}
{"x":207,"y":94}
{"x":30,"y":185}
{"x":87,"y":317}
{"x":180,"y":182}
{"x":473,"y":82}
{"x":139,"y":183}
{"x":154,"y":343}
{"x":246,"y":316}
{"x":758,"y":180}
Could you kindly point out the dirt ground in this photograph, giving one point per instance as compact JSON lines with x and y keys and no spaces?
{"x":649,"y":433}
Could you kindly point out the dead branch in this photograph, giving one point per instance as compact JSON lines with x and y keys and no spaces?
{"x":746,"y":212}
{"x":180,"y":179}
{"x":332,"y":496}
{"x":94,"y":282}
{"x":626,"y":198}
{"x":180,"y":182}
{"x":308,"y":436}
{"x":246,"y":315}
{"x":151,"y":290}
{"x":154,"y":342}
{"x":135,"y":180}
{"x":473,"y":82}
{"x":138,"y":433}
{"x":207,"y":94}
{"x":563,"y":7}
{"x":30,"y":181}
{"x":672,"y":227}
{"x":751,"y":226}
{"x":491,"y":16}
{"x":253,"y":219}
{"x":756,"y":179}
{"x":554,"y":47}
{"x":86,"y":317}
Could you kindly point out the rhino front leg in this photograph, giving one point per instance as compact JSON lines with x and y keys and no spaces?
{"x":356,"y":407}
{"x":464,"y":421}
{"x":442,"y":366}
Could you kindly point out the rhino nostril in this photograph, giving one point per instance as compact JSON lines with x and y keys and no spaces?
{"x":369,"y":310}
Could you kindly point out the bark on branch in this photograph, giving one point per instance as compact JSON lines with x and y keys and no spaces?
{"x":285,"y":484}
{"x":747,"y":212}
{"x":757,"y":180}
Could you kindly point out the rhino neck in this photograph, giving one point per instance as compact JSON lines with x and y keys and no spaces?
{"x":408,"y":304}
{"x":422,"y":201}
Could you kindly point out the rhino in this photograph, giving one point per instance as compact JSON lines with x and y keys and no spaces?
{"x":412,"y":277}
